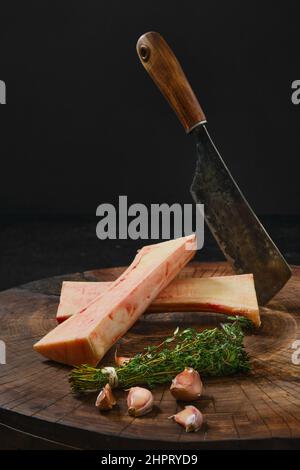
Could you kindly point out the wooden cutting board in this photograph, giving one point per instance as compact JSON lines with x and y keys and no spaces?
{"x":37,"y":409}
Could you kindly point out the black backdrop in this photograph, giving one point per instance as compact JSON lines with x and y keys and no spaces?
{"x":84,"y":123}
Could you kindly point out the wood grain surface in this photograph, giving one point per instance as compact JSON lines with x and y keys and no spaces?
{"x":37,"y":409}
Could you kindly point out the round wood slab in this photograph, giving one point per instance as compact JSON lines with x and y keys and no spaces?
{"x":37,"y":409}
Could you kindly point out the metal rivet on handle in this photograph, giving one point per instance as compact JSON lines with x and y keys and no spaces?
{"x":144,"y":52}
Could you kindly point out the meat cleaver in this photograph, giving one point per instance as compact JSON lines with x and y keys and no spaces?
{"x":242,"y":238}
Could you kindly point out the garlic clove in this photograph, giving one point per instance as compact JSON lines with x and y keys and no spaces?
{"x":121,"y":360}
{"x":105,"y":400}
{"x":190,"y":418}
{"x":139,"y":401}
{"x":187,"y":385}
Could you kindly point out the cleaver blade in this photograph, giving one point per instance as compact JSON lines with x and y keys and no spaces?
{"x":240,"y":235}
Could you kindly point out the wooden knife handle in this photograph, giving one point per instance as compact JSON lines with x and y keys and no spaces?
{"x":165,"y":70}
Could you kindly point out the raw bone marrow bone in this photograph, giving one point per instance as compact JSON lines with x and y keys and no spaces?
{"x":86,"y":336}
{"x":231,"y":295}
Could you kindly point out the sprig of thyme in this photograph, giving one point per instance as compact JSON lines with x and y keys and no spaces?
{"x":213,"y":352}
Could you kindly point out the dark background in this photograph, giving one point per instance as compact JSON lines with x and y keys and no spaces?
{"x":84,"y":123}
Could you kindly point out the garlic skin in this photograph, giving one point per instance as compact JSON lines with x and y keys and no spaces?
{"x":105,"y":400}
{"x":187,"y":385}
{"x":190,"y":418}
{"x":139,"y":401}
{"x":121,"y":360}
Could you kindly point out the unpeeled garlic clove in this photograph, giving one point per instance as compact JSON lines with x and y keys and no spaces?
{"x":190,"y":418}
{"x":187,"y":385}
{"x":139,"y":401}
{"x":105,"y":400}
{"x":121,"y":360}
